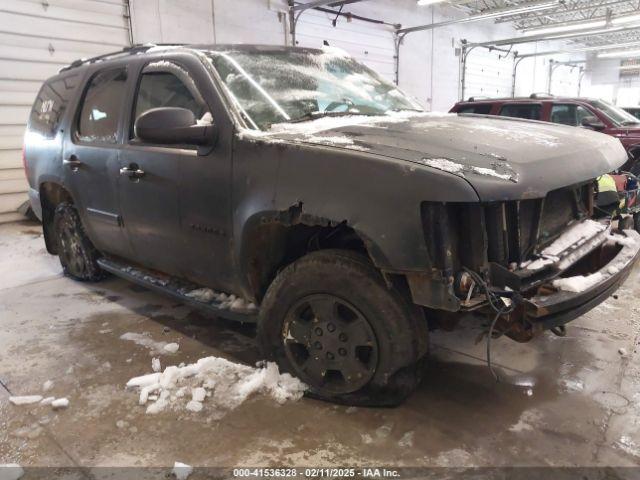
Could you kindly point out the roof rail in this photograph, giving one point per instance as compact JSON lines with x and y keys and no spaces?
{"x":540,"y":95}
{"x":478,"y":97}
{"x":132,"y":50}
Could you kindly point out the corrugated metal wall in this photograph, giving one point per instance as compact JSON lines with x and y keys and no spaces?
{"x":37,"y":38}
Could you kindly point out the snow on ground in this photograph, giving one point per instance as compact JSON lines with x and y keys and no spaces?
{"x":145,"y":340}
{"x":215,"y":384}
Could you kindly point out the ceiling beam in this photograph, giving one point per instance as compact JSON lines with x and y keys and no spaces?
{"x":554,"y":36}
{"x":486,"y":14}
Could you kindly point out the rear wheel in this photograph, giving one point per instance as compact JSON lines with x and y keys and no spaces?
{"x":77,"y":254}
{"x":330,"y":319}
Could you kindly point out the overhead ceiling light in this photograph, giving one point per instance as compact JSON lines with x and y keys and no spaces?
{"x":567,"y":28}
{"x":620,"y":54}
{"x":623,"y":20}
{"x":422,"y":3}
{"x":575,"y":26}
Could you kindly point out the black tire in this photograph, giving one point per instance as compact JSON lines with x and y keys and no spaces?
{"x":78,"y":256}
{"x":636,"y":222}
{"x":363,"y":348}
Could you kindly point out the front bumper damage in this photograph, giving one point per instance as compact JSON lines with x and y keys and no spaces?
{"x":564,"y":286}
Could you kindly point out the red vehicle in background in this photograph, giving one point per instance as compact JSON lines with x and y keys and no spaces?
{"x":578,"y":112}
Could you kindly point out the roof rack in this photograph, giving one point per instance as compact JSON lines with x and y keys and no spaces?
{"x":132,"y":50}
{"x":478,"y":97}
{"x":535,"y":96}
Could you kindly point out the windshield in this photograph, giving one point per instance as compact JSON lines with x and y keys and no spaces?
{"x":289,"y":86}
{"x":618,"y":116}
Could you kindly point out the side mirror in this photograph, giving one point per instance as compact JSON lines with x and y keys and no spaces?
{"x":173,"y":125}
{"x":593,"y":123}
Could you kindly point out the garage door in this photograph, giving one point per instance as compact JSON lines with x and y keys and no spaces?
{"x":38,"y":38}
{"x":489,"y":74}
{"x":370,"y":43}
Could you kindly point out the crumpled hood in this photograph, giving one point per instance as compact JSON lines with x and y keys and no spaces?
{"x":501,"y":158}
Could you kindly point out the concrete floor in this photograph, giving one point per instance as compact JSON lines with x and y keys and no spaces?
{"x":582,"y":411}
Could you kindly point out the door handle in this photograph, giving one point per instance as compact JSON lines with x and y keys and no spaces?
{"x":131,"y":172}
{"x":72,"y":162}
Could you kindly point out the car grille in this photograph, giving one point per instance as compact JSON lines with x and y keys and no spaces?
{"x":472,"y":235}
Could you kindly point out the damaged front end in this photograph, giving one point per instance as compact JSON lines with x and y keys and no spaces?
{"x":545,"y":259}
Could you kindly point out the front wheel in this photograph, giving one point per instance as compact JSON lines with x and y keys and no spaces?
{"x":78,"y":256}
{"x":330,"y":319}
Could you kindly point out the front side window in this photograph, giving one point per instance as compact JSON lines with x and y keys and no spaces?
{"x":618,"y":116}
{"x":165,"y":84}
{"x":529,"y":111}
{"x":282,"y":86}
{"x":569,"y":114}
{"x":98,"y":120}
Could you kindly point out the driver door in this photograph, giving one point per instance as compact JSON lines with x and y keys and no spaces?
{"x":176,"y":210}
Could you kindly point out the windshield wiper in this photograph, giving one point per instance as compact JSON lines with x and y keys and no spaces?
{"x":626,"y":123}
{"x":314,"y":115}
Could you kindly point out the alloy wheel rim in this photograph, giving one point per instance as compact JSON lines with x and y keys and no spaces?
{"x":330,"y":344}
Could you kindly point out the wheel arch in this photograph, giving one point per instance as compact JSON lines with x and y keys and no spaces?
{"x":272,"y":240}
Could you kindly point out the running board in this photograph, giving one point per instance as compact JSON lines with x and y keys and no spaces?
{"x":174,"y":288}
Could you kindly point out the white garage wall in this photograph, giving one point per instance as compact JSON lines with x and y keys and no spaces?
{"x":429,"y":67}
{"x":602,"y":80}
{"x":37,"y":39}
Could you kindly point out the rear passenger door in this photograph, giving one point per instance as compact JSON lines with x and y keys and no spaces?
{"x":91,"y":159}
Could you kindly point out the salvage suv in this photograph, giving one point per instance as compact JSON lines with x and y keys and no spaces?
{"x":297,"y":189}
{"x":589,"y":113}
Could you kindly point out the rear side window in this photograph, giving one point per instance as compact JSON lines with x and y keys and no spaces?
{"x":101,"y":106}
{"x":569,"y":114}
{"x":477,"y":109}
{"x":529,"y":111}
{"x":51,"y":103}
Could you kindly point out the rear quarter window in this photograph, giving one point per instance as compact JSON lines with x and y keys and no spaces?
{"x":529,"y":111}
{"x":477,"y":109}
{"x":51,"y":103}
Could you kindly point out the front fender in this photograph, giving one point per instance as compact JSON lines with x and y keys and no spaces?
{"x":377,"y":196}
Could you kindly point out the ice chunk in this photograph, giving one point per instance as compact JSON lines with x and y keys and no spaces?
{"x":25,"y":399}
{"x":144,"y":380}
{"x":155,"y":364}
{"x":198,"y":394}
{"x":194,"y":406}
{"x":171,"y":347}
{"x":233,"y":383}
{"x":46,"y":386}
{"x":60,"y":403}
{"x":181,"y":470}
{"x":11,"y":471}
